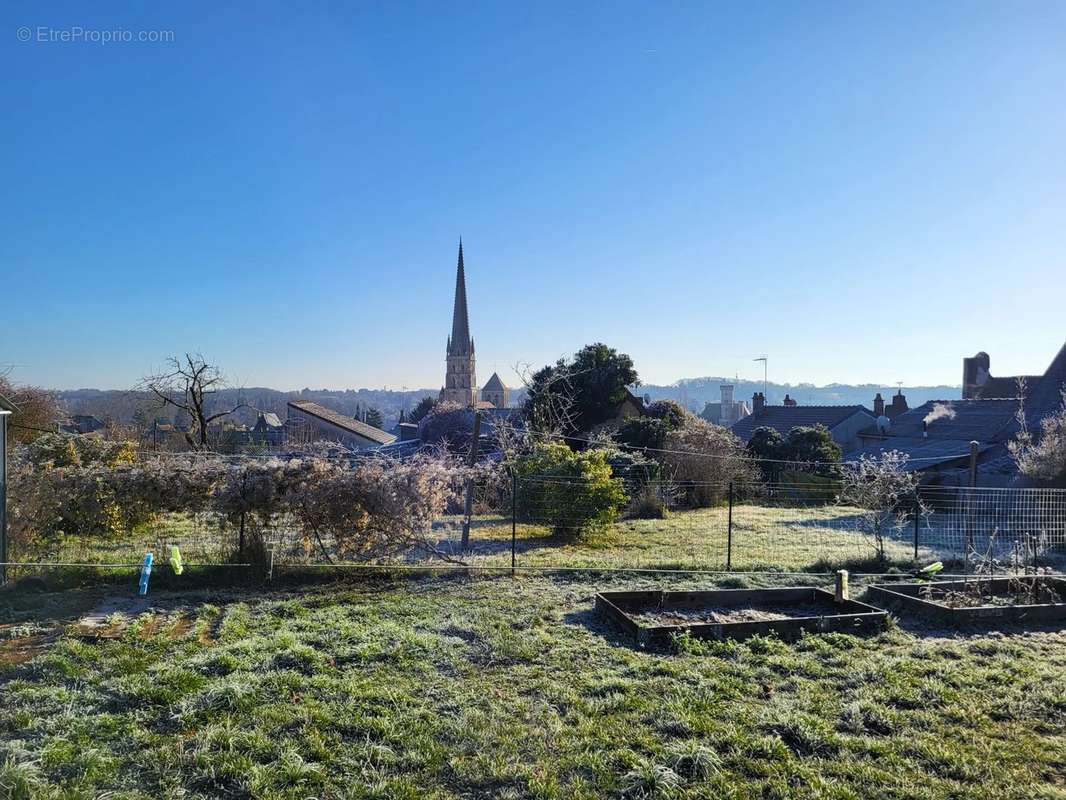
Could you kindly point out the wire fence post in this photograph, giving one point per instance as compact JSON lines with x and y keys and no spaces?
{"x":3,"y":495}
{"x":729,"y":532}
{"x":514,"y":519}
{"x":917,"y":515}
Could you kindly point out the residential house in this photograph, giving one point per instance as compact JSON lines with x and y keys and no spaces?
{"x":82,"y":423}
{"x":842,"y":422}
{"x":308,"y":421}
{"x":268,"y":429}
{"x":937,"y":435}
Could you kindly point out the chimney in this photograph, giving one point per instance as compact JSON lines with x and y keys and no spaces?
{"x":898,"y":406}
{"x":925,"y":429}
{"x":879,"y":405}
{"x":758,"y":401}
{"x":789,"y":401}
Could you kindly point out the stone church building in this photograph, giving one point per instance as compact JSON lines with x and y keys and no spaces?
{"x":460,"y":376}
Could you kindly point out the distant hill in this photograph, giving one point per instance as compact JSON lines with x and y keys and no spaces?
{"x":695,"y":392}
{"x":124,"y":407}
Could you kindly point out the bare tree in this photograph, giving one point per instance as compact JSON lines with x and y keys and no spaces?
{"x":38,"y":410}
{"x":188,"y":384}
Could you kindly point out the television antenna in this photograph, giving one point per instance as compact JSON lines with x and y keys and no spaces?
{"x":763,"y":359}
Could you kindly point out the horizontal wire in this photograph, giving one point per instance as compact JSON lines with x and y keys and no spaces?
{"x":112,"y":565}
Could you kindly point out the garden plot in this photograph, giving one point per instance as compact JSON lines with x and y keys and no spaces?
{"x":653,"y":617}
{"x":979,"y":601}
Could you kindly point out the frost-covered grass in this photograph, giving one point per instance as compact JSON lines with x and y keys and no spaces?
{"x":818,"y":537}
{"x":460,"y":688}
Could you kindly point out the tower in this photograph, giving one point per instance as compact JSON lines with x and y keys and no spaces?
{"x":496,"y":393}
{"x":460,"y":381}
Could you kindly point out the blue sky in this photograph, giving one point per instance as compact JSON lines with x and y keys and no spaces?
{"x":865,"y":192}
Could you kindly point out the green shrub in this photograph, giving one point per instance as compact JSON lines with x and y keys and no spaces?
{"x":573,"y":493}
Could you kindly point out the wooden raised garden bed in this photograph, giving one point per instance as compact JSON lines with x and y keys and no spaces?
{"x":978,"y":601}
{"x":652,"y":617}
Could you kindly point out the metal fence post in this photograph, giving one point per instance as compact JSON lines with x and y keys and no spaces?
{"x":3,"y":495}
{"x":729,"y":533}
{"x":514,"y":519}
{"x":917,"y":515}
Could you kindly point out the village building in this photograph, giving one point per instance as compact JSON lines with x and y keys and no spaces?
{"x":937,"y":436}
{"x":842,"y":422}
{"x":308,"y":421}
{"x":82,"y":423}
{"x":978,"y":383}
{"x":728,"y":411}
{"x":268,"y":429}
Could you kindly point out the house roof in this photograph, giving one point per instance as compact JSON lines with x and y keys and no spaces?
{"x":784,"y":418}
{"x":1044,"y":397}
{"x":922,"y":453}
{"x":270,"y":418}
{"x":341,"y":421}
{"x":494,"y":384}
{"x":964,"y":420}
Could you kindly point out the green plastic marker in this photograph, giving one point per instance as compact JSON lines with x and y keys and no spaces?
{"x":932,"y":569}
{"x":175,"y":560}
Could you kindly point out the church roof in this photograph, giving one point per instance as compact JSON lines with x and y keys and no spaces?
{"x":460,"y":341}
{"x":494,"y":384}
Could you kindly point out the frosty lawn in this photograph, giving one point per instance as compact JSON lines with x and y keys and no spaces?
{"x":453,"y":687}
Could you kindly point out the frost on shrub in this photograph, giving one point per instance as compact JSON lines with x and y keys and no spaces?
{"x":885,"y":488}
{"x":377,"y":508}
{"x":367,"y":509}
{"x":703,"y":459}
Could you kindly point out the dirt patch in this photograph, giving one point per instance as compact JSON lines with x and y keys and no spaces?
{"x":181,"y":628}
{"x":656,"y":617}
{"x":23,"y":649}
{"x":150,"y":627}
{"x":977,"y":594}
{"x":209,"y":633}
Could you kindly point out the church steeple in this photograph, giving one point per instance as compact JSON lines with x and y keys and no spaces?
{"x":460,"y":382}
{"x":460,"y":341}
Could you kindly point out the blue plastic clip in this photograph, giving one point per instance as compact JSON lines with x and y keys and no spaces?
{"x":146,"y":572}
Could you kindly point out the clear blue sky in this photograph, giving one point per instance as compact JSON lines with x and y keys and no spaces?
{"x":866,"y":192}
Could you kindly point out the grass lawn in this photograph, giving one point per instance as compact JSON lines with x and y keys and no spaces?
{"x":453,"y":687}
{"x":799,"y":539}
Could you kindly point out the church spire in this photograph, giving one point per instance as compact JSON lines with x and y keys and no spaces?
{"x":460,"y":341}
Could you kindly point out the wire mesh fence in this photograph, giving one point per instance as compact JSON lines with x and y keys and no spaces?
{"x":548,"y":523}
{"x":545,"y":523}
